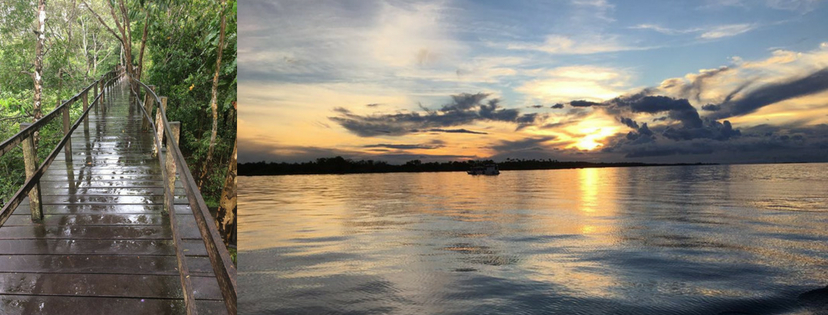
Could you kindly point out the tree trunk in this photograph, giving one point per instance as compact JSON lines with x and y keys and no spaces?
{"x":38,"y":75}
{"x":226,"y":215}
{"x":214,"y":100}
{"x":143,"y":44}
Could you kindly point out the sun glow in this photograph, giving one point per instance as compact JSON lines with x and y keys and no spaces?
{"x":593,"y":137}
{"x":588,"y":143}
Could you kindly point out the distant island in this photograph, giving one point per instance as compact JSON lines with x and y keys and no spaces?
{"x":340,"y":165}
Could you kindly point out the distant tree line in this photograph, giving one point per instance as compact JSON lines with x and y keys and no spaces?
{"x":340,"y":165}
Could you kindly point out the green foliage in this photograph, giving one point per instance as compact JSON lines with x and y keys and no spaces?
{"x":77,"y":50}
{"x":183,"y":65}
{"x":179,"y":58}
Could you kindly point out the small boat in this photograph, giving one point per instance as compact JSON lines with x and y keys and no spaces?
{"x":488,"y":169}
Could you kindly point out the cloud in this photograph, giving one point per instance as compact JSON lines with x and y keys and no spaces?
{"x":803,"y":6}
{"x":405,"y":146}
{"x":727,"y":31}
{"x":773,"y":93}
{"x":694,"y":89}
{"x":583,"y":103}
{"x":763,"y":143}
{"x":584,"y":44}
{"x":629,"y":122}
{"x":711,"y":107}
{"x":557,"y":106}
{"x":464,"y":109}
{"x":709,"y":32}
{"x":665,"y":30}
{"x":531,"y":143}
{"x":711,"y":130}
{"x":457,"y":131}
{"x":585,"y":82}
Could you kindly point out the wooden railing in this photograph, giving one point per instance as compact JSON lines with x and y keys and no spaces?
{"x":173,"y":161}
{"x":26,"y":138}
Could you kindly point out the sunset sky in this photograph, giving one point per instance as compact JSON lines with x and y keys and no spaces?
{"x":590,"y":80}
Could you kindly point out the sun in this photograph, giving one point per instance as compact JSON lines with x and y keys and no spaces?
{"x":593,"y":137}
{"x":588,"y":143}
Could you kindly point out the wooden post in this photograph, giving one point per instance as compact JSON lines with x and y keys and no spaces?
{"x":96,"y":91}
{"x":30,"y":163}
{"x":170,"y":159}
{"x":159,"y":125}
{"x":176,"y":130}
{"x":149,"y":103}
{"x":85,"y":107}
{"x":67,"y":149}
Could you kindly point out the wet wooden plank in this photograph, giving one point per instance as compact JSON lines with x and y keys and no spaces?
{"x":211,"y":308}
{"x":85,"y":232}
{"x":103,"y":285}
{"x":103,"y":184}
{"x":92,"y":219}
{"x":77,"y":163}
{"x":105,"y":200}
{"x":26,"y":304}
{"x":187,"y":226}
{"x":194,"y":247}
{"x":95,"y":264}
{"x":124,"y":158}
{"x":114,"y":191}
{"x":206,"y":288}
{"x":100,"y":171}
{"x":101,"y":209}
{"x":89,"y":247}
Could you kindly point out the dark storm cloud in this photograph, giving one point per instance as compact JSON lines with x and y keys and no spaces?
{"x":711,"y":107}
{"x":559,"y":105}
{"x":677,"y":109}
{"x":457,"y":131}
{"x":464,"y":101}
{"x":464,"y":109}
{"x":763,"y":143}
{"x":664,"y":151}
{"x":629,"y":122}
{"x":643,"y":134}
{"x":534,"y":143}
{"x":711,"y":130}
{"x":737,"y":90}
{"x":773,"y":93}
{"x":583,"y":103}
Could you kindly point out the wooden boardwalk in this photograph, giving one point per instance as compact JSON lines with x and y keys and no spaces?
{"x":105,"y":244}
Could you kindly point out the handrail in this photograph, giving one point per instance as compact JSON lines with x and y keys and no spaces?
{"x":223,"y":267}
{"x":10,"y":206}
{"x":12,"y":142}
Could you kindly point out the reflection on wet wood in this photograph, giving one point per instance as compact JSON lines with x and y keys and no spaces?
{"x":104,"y":245}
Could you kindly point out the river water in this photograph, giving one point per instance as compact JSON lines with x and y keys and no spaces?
{"x":724,"y":239}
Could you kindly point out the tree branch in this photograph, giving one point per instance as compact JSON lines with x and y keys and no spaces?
{"x":102,"y":21}
{"x":16,"y":117}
